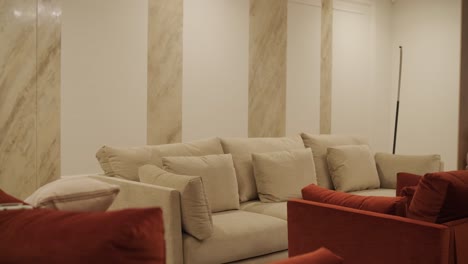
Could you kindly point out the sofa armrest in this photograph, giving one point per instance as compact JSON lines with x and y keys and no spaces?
{"x":365,"y":237}
{"x":136,"y":194}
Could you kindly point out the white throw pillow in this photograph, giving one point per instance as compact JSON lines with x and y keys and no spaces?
{"x":218,"y":176}
{"x":319,"y":145}
{"x":282,"y":175}
{"x":78,"y":194}
{"x":352,"y":168}
{"x":242,"y":149}
{"x":196,"y":213}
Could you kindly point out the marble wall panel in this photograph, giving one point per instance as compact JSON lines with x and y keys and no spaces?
{"x":326,"y":67}
{"x":48,"y":90}
{"x":18,"y":97}
{"x":165,"y":20}
{"x":267,"y":68}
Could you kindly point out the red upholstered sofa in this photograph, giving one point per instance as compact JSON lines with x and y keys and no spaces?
{"x":368,"y":237}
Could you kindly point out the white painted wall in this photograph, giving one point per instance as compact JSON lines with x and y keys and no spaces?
{"x":215,"y":73}
{"x":429,"y":31}
{"x":381,"y":76}
{"x":104,"y":62}
{"x":303,"y":67}
{"x":352,"y":89}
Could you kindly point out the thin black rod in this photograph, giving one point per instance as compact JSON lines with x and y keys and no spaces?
{"x":398,"y":101}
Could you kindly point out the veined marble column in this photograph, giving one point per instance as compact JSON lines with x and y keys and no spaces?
{"x":267,"y":68}
{"x":164,"y":71}
{"x":18,"y":97}
{"x":48,"y":90}
{"x":326,"y":67}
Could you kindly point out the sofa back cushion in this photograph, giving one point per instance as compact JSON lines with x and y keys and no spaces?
{"x":78,"y":194}
{"x":388,"y":165}
{"x":242,"y":149}
{"x":405,"y":179}
{"x":218,"y":176}
{"x":48,"y":236}
{"x":378,"y":204}
{"x":319,"y":145}
{"x":352,"y":168}
{"x":441,"y":197}
{"x":196,"y":212}
{"x":124,"y":162}
{"x":281,"y":175}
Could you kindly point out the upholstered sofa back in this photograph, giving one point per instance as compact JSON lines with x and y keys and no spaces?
{"x":124,"y":162}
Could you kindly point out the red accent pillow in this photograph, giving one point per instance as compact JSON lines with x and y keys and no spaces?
{"x":406,"y":179}
{"x":385,"y":205}
{"x":408,"y":192}
{"x":48,"y":236}
{"x":6,"y":198}
{"x":441,"y":197}
{"x":320,"y":256}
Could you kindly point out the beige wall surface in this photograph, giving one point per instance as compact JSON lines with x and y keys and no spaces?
{"x":104,"y":79}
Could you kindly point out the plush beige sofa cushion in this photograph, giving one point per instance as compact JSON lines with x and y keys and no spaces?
{"x":196,"y":213}
{"x":376,"y":192}
{"x":237,"y":235}
{"x":281,"y":175}
{"x":388,"y":165}
{"x":278,"y":210}
{"x":218,"y":176}
{"x":77,"y":194}
{"x":242,"y":149}
{"x":124,"y":162}
{"x":352,"y":168}
{"x":319,"y":145}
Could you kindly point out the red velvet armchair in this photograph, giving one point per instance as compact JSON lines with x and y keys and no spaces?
{"x":370,"y":237}
{"x":320,"y":256}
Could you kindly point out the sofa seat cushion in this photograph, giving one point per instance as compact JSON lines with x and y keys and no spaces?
{"x":376,"y":192}
{"x":242,"y":150}
{"x":278,"y":210}
{"x":237,"y":235}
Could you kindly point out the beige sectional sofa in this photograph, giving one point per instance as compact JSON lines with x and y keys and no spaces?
{"x":253,"y":231}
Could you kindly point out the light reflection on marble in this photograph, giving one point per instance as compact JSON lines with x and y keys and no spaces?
{"x":18,"y":97}
{"x":326,"y":67}
{"x":48,"y":90}
{"x":267,"y":68}
{"x":164,"y":71}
